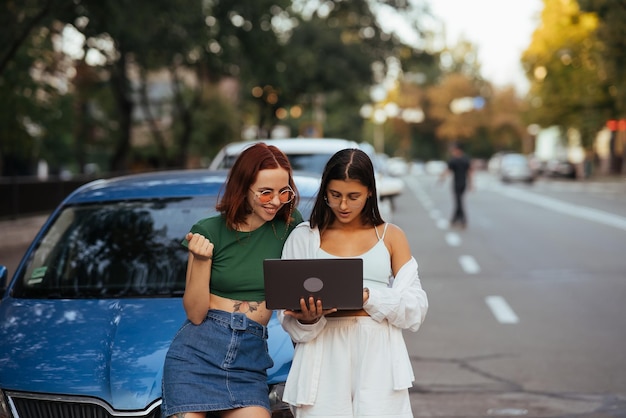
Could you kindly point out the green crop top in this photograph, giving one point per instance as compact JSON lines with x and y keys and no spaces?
{"x":237,"y":269}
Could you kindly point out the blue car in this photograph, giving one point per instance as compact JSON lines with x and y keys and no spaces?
{"x":90,"y":312}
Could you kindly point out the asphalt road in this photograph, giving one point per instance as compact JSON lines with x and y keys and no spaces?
{"x":527,"y":307}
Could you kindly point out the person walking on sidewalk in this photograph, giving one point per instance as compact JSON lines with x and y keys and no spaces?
{"x":460,"y":167}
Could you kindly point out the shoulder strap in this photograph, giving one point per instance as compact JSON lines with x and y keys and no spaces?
{"x":384,"y":231}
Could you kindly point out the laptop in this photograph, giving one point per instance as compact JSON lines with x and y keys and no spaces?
{"x":338,"y":282}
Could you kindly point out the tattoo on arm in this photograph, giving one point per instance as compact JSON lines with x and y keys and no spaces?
{"x":179,"y":415}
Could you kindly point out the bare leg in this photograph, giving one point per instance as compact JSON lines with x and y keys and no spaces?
{"x":189,"y":415}
{"x":247,"y":412}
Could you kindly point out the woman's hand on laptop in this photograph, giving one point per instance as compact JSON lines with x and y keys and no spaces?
{"x":310,"y":312}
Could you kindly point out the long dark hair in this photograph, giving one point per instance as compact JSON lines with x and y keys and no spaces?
{"x":234,"y":205}
{"x":347,"y":164}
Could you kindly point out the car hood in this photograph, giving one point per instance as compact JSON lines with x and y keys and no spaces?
{"x":111,"y":349}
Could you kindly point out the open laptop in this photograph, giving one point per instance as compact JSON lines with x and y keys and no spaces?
{"x":338,"y":282}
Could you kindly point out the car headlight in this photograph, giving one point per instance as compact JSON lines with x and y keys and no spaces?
{"x":279,"y":408}
{"x":5,"y":412}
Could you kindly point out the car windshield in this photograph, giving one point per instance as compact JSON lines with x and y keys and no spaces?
{"x":313,"y":163}
{"x":309,"y":162}
{"x":114,"y":250}
{"x":514,"y":160}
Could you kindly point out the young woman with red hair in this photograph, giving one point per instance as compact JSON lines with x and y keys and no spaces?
{"x":218,"y":359}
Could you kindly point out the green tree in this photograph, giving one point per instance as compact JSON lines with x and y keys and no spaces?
{"x":321,"y":62}
{"x":471,"y":111}
{"x":133,"y":38}
{"x":455,"y":125}
{"x":276,"y":53}
{"x":35,"y":116}
{"x":611,"y":31}
{"x":244,"y":44}
{"x":20,"y":19}
{"x":568,"y":84}
{"x":330,"y":56}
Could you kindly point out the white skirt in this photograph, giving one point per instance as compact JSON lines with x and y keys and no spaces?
{"x":355,"y":373}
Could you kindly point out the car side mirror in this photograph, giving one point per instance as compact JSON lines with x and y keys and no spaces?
{"x":3,"y":280}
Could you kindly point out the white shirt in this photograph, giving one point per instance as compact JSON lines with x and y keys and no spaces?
{"x":403,"y":305}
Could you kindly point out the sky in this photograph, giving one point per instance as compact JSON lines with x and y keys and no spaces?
{"x":501,"y":29}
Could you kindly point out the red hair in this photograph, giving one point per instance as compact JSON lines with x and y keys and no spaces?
{"x":234,"y":205}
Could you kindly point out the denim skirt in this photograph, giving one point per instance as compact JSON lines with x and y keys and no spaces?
{"x":218,"y":365}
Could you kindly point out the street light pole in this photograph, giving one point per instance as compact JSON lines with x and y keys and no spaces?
{"x":379,"y":118}
{"x":379,"y":138}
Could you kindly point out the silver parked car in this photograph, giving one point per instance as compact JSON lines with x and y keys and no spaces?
{"x":516,"y":167}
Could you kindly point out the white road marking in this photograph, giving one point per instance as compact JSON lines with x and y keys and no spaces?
{"x":507,"y":411}
{"x":469,"y":264}
{"x":582,"y":212}
{"x":453,"y":239}
{"x":435,"y":214}
{"x":501,"y":310}
{"x":426,"y":202}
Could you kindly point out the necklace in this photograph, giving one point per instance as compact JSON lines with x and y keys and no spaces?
{"x":242,"y":241}
{"x":245,"y":239}
{"x":287,"y":223}
{"x":284,"y":234}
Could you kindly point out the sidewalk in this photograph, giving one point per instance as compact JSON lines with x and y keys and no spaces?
{"x":17,"y":234}
{"x":21,"y":231}
{"x":601,"y":178}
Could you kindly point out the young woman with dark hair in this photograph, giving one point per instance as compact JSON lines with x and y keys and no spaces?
{"x":354,"y":363}
{"x":218,"y":360}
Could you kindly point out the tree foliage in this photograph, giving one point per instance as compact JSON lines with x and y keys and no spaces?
{"x":611,"y":32}
{"x":569,"y":86}
{"x":167,"y":83}
{"x":34,"y":115}
{"x":454,"y":126}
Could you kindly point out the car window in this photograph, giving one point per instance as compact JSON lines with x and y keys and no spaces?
{"x":113,"y":250}
{"x":313,"y":162}
{"x":228,"y":161}
{"x":515,"y":159}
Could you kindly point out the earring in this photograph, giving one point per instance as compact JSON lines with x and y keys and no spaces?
{"x":290,"y":212}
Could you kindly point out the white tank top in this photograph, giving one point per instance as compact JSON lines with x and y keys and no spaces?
{"x":376,"y":262}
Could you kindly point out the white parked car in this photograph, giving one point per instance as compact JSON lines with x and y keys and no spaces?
{"x":516,"y":167}
{"x":397,"y":167}
{"x":305,"y":154}
{"x":435,"y":167}
{"x":389,"y":187}
{"x":310,"y":155}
